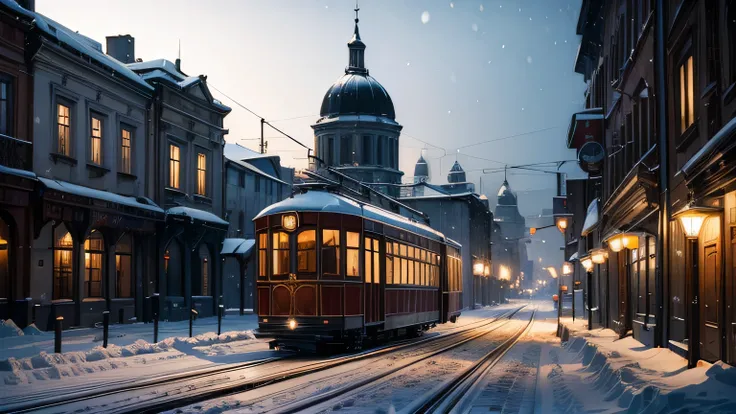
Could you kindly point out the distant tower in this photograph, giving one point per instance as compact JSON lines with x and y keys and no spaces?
{"x":457,"y":174}
{"x":357,"y":132}
{"x":421,"y":170}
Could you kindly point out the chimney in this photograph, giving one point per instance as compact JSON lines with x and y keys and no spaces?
{"x":121,"y":47}
{"x":178,"y":64}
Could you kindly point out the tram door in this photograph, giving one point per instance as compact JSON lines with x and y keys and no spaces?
{"x":372,"y":279}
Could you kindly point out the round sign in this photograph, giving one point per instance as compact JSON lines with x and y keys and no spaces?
{"x":590,"y":157}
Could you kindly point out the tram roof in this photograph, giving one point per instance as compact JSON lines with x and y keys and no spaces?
{"x":316,"y":201}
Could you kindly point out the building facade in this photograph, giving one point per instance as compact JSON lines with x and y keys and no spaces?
{"x":357,"y":133}
{"x":253,"y":182}
{"x":188,"y":137}
{"x":661,"y":78}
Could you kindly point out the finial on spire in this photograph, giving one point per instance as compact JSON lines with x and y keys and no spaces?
{"x":357,"y":9}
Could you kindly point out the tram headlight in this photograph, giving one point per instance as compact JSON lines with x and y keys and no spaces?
{"x":292,"y":324}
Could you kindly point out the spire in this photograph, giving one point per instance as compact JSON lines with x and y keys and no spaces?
{"x":356,"y":47}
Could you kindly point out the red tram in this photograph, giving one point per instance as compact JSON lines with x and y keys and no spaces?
{"x":332,"y":271}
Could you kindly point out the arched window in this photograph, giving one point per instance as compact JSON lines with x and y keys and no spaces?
{"x":203,"y":289}
{"x":4,"y":264}
{"x":306,"y":245}
{"x":173,"y":269}
{"x":94,"y":249}
{"x":63,"y":246}
{"x":124,"y":267}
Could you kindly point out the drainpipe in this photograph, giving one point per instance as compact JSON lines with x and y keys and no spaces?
{"x":664,"y":205}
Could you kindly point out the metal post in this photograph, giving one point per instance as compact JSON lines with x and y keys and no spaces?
{"x":262,"y":143}
{"x":243,"y":267}
{"x":192,"y":315}
{"x":121,"y":316}
{"x":220,"y":310}
{"x":573,"y":295}
{"x":590,"y":301}
{"x":105,"y":327}
{"x":155,"y":304}
{"x":57,"y":334}
{"x":34,"y":313}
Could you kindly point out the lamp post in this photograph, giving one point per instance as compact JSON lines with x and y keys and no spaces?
{"x":691,"y":219}
{"x":587,"y":263}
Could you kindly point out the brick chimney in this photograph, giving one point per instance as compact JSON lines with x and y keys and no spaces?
{"x":121,"y":47}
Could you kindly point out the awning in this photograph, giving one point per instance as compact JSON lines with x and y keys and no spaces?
{"x":712,"y":151}
{"x":591,"y":218}
{"x":573,"y":258}
{"x":195,"y":214}
{"x":237,"y":247}
{"x":93,"y":197}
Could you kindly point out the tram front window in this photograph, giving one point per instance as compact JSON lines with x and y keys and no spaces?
{"x":331,"y":252}
{"x":280,"y":253}
{"x":306,"y":243}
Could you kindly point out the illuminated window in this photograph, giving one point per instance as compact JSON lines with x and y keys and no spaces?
{"x":63,"y":247}
{"x":95,"y":141}
{"x":353,"y":253}
{"x":262,"y":255}
{"x":306,"y":244}
{"x":125,"y":138}
{"x":94,"y":248}
{"x":686,"y":93}
{"x":331,"y":252}
{"x":63,"y":123}
{"x":201,"y":174}
{"x":174,"y":158}
{"x":280,"y":246}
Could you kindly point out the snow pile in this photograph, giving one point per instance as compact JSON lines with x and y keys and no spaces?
{"x":8,"y":329}
{"x":611,"y":375}
{"x":47,"y":366}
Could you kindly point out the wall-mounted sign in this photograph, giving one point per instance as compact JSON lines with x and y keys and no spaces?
{"x":584,"y":127}
{"x":590,"y":157}
{"x":289,"y":221}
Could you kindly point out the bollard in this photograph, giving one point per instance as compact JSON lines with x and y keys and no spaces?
{"x":34,"y":313}
{"x":192,"y":315}
{"x":105,"y":327}
{"x":121,"y":316}
{"x":57,"y":334}
{"x":220,"y":310}
{"x":155,"y":329}
{"x":154,"y":305}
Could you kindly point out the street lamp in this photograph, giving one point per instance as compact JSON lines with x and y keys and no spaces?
{"x":598,"y":256}
{"x":620,"y":241}
{"x":562,"y":221}
{"x":567,"y":268}
{"x":587,"y":263}
{"x":478,"y":268}
{"x":692,"y":218}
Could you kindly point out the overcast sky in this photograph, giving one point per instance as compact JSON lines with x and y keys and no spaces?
{"x":459,"y":73}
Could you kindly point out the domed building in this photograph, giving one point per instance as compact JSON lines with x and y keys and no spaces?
{"x":357,"y":132}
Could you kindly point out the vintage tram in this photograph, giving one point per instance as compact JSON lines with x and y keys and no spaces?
{"x":332,"y":271}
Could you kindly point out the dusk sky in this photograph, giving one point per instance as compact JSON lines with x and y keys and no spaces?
{"x":459,"y":72}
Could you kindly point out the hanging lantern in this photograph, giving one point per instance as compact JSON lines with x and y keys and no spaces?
{"x":692,"y":218}
{"x":478,"y":269}
{"x":562,"y":222}
{"x":598,"y":256}
{"x":616,"y":243}
{"x":567,"y":268}
{"x":587,"y":263}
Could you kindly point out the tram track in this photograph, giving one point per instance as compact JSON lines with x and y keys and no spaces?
{"x":218,"y":381}
{"x":345,"y":396}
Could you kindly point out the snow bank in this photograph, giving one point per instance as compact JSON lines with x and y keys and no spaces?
{"x":47,"y":366}
{"x":9,"y":329}
{"x":610,"y":375}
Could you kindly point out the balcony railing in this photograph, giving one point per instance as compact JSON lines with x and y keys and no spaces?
{"x":16,"y":153}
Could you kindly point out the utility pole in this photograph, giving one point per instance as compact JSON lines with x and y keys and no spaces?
{"x":263,"y":121}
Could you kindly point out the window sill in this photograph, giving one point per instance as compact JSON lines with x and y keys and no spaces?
{"x":687,"y":137}
{"x":175,"y":191}
{"x":56,"y":157}
{"x":202,"y":199}
{"x":127,"y":176}
{"x":99,"y":169}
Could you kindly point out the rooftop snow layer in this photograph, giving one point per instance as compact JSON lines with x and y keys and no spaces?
{"x":196,"y":214}
{"x":98,"y":194}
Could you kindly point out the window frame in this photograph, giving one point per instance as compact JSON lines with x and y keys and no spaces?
{"x":9,"y":81}
{"x":682,"y":84}
{"x":310,"y":274}
{"x":177,"y":162}
{"x":129,"y":255}
{"x":122,"y":162}
{"x":57,"y":270}
{"x":352,"y":249}
{"x":88,"y":280}
{"x":202,"y":187}
{"x":338,"y":255}
{"x":102,"y":119}
{"x":69,"y":105}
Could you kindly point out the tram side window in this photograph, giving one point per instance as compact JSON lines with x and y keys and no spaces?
{"x":404,"y":264}
{"x":389,"y":264}
{"x":280,"y":248}
{"x":376,"y":261}
{"x":368,"y":246}
{"x":411,"y":265}
{"x":306,"y":243}
{"x":331,"y":252}
{"x":262,"y":257}
{"x":353,"y":254}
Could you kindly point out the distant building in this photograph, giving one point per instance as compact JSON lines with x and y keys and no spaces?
{"x":357,"y":133}
{"x":509,"y":240}
{"x":253,"y":182}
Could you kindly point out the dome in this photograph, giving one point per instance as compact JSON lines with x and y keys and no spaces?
{"x":506,"y":197}
{"x":421,"y":169}
{"x":357,"y":93}
{"x":457,"y":174}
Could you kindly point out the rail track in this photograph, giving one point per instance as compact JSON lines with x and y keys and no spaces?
{"x":215,"y":382}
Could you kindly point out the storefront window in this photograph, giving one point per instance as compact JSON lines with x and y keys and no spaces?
{"x":63,"y":246}
{"x":123,"y":268}
{"x":94,"y":248}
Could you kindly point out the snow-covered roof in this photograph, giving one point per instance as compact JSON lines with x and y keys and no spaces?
{"x":721,"y":137}
{"x":356,"y":118}
{"x":80,"y":43}
{"x":324,"y":202}
{"x":256,"y":170}
{"x":196,"y":214}
{"x":20,"y":173}
{"x":591,"y":218}
{"x":241,"y":153}
{"x":240,"y":247}
{"x":439,"y":195}
{"x":79,"y":190}
{"x":158,"y":64}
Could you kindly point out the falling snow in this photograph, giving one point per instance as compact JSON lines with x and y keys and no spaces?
{"x":528,"y":59}
{"x":425,"y":17}
{"x":474,"y":27}
{"x":481,"y":7}
{"x":452,"y":5}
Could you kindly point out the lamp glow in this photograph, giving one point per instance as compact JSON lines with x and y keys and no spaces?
{"x":587,"y":263}
{"x":567,"y":268}
{"x":478,"y":269}
{"x":289,"y":222}
{"x":616,"y":244}
{"x":504,"y":273}
{"x":692,"y":218}
{"x":598,"y":256}
{"x":561,"y":223}
{"x":631,"y":241}
{"x":292,"y":324}
{"x":3,"y":244}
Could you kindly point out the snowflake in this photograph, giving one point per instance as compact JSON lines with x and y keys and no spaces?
{"x":528,"y":59}
{"x":474,"y":27}
{"x":425,"y":17}
{"x":481,"y":7}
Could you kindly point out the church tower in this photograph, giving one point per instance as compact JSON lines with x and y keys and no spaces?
{"x":357,"y":132}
